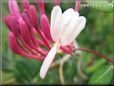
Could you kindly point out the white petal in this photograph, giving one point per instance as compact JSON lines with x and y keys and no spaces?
{"x":66,"y":19}
{"x":69,"y":29}
{"x":56,"y":23}
{"x":67,"y":16}
{"x":48,"y":60}
{"x":75,"y":27}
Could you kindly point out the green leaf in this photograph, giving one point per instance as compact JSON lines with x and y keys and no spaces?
{"x":26,"y":70}
{"x":102,"y":5}
{"x":6,"y":77}
{"x":102,"y":76}
{"x":7,"y":64}
{"x":96,"y":66}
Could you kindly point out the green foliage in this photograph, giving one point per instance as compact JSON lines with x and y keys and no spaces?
{"x":26,"y":70}
{"x":101,"y":5}
{"x":102,"y":76}
{"x":96,"y":66}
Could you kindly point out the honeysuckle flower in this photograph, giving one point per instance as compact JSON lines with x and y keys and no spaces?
{"x":64,"y":29}
{"x":42,"y":41}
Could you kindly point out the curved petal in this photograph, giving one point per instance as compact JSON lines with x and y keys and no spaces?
{"x":48,"y":60}
{"x":67,"y":17}
{"x":56,"y":15}
{"x":75,"y":27}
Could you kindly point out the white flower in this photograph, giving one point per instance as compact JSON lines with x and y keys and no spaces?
{"x":64,"y":29}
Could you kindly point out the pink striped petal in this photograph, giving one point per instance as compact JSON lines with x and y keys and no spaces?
{"x":45,"y":26}
{"x":48,"y":60}
{"x":25,"y":4}
{"x":40,"y":4}
{"x":13,"y":7}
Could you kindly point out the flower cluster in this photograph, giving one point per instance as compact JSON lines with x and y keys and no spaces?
{"x":42,"y":41}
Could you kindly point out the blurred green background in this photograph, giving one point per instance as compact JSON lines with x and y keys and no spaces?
{"x":97,"y":35}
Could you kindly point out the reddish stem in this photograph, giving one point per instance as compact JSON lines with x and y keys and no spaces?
{"x":96,"y":53}
{"x":77,"y":4}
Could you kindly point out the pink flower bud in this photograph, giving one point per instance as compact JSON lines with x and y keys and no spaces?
{"x":45,"y":26}
{"x":14,"y":44}
{"x":24,"y":32}
{"x":13,"y":21}
{"x":40,"y":4}
{"x":7,"y":22}
{"x":25,"y":4}
{"x":33,"y":16}
{"x":13,"y":7}
{"x":27,"y":20}
{"x":40,"y":33}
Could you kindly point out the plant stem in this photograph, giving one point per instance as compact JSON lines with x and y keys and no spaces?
{"x":96,"y":53}
{"x":77,"y":4}
{"x":61,"y":76}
